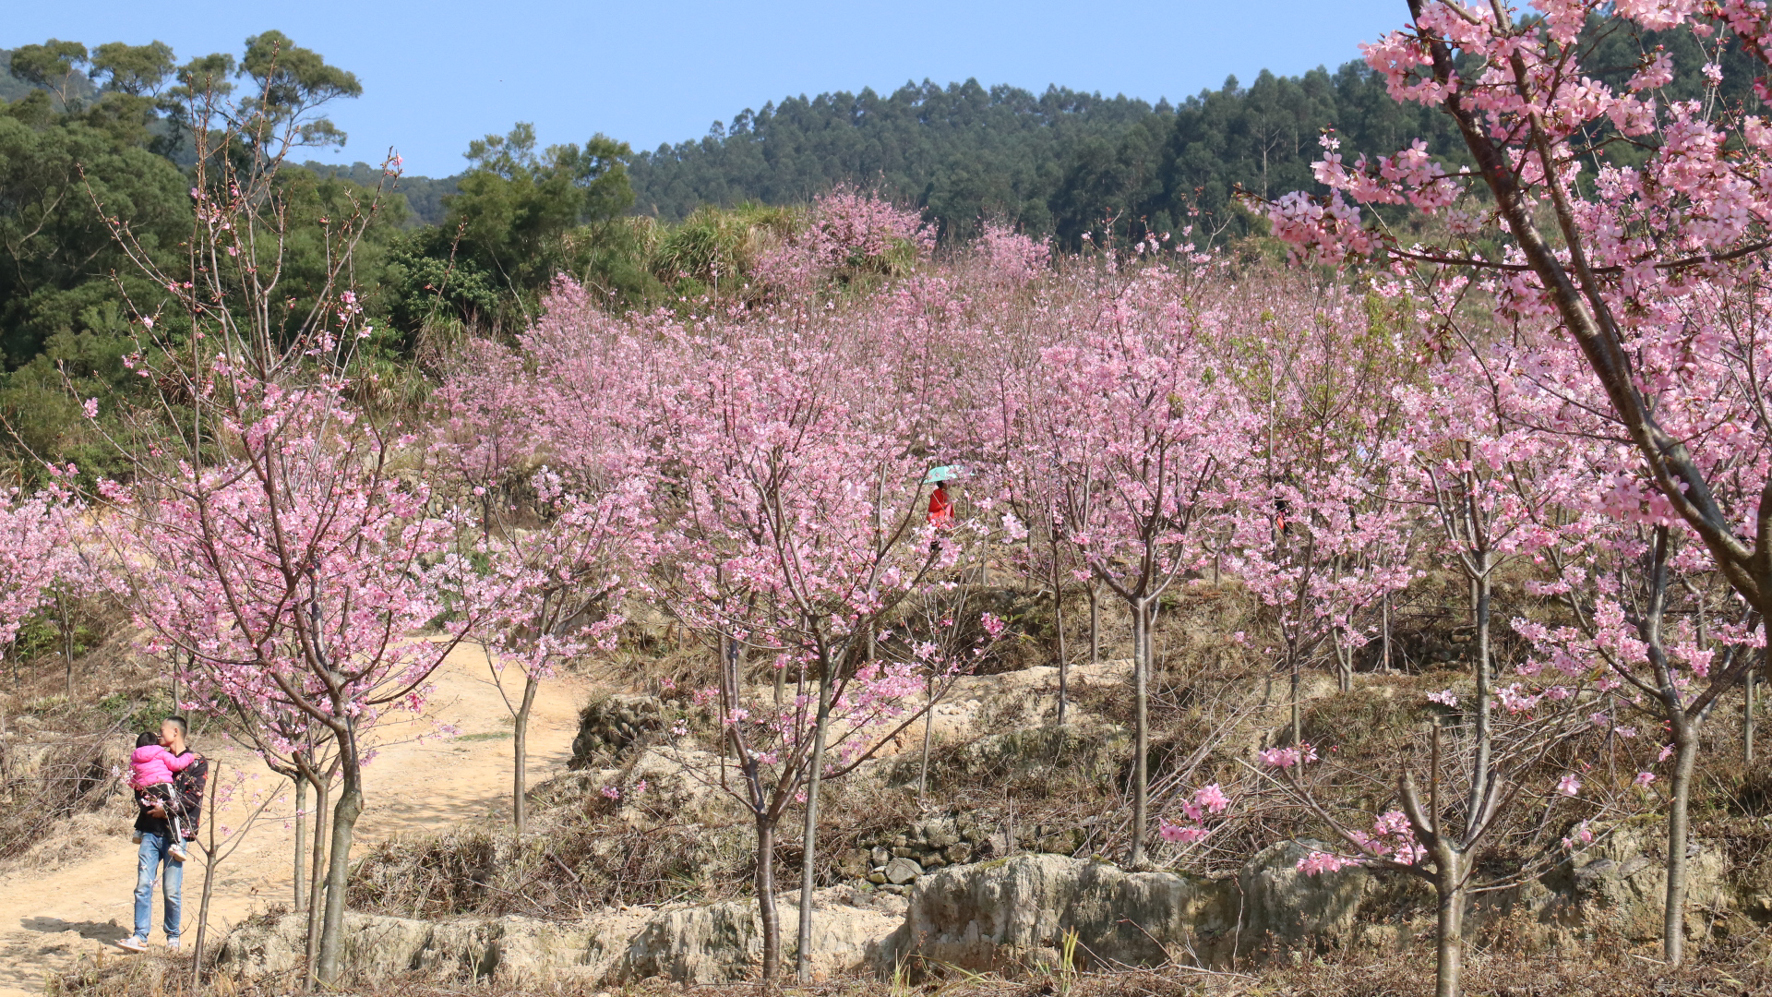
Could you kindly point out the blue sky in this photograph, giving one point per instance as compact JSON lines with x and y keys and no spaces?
{"x":438,"y":74}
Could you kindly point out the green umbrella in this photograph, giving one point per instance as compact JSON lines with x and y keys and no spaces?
{"x":946,"y":472}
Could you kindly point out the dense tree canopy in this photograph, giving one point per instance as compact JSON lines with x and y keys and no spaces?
{"x":89,"y":137}
{"x":659,"y":228}
{"x":1058,"y":163}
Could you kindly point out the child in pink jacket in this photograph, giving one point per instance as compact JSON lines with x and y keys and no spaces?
{"x":151,"y":767}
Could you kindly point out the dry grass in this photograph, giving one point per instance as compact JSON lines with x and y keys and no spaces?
{"x":582,"y":855}
{"x":48,"y":778}
{"x":1062,"y":790}
{"x":587,"y":852}
{"x":59,"y":755}
{"x":1354,"y":976}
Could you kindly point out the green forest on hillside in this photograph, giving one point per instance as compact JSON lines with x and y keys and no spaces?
{"x":1058,"y":163}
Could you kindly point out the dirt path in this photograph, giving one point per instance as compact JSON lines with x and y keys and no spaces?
{"x":49,"y":919}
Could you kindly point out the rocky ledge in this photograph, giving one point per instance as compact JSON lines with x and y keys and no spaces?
{"x":1004,"y":915}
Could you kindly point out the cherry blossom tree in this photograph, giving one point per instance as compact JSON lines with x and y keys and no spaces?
{"x":1008,"y":439}
{"x":1009,"y":258}
{"x":294,"y":577}
{"x":558,"y":542}
{"x":550,"y":594}
{"x":270,"y":538}
{"x":1320,"y":537}
{"x":1139,"y":433}
{"x":1496,"y":482}
{"x":40,"y":555}
{"x":1620,"y":589}
{"x":1438,"y":838}
{"x":796,"y":530}
{"x":850,"y":236}
{"x":1649,"y":267}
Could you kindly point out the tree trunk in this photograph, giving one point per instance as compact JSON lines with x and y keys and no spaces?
{"x":301,"y":840}
{"x":1482,"y":590}
{"x":1094,"y":624}
{"x":809,"y":841}
{"x":1292,"y":667}
{"x":61,"y":603}
{"x":316,"y":883}
{"x":1750,"y":697}
{"x":1384,"y":616}
{"x":766,"y":898}
{"x":1747,"y":716}
{"x":520,"y":761}
{"x":1058,"y":622}
{"x":344,"y":823}
{"x":1141,"y":739}
{"x":1449,"y":933}
{"x":1673,"y":928}
{"x":209,"y":864}
{"x":928,"y":736}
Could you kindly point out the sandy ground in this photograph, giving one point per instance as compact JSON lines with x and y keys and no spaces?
{"x":51,"y":917}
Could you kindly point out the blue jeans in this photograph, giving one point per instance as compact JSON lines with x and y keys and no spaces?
{"x":155,"y":853}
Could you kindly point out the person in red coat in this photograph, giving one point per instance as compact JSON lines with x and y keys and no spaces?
{"x":941,"y":507}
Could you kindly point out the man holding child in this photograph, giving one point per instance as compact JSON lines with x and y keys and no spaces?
{"x":168,"y":779}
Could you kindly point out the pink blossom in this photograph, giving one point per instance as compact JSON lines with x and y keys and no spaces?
{"x":1285,"y":758}
{"x":1180,"y":834}
{"x":1212,"y":798}
{"x":993,"y":625}
{"x":1317,"y":863}
{"x":1583,"y":835}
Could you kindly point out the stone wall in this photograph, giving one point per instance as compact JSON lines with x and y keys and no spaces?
{"x":697,"y":944}
{"x":1011,"y":914}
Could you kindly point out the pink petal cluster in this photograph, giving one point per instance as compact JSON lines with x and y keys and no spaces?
{"x":1286,"y":758}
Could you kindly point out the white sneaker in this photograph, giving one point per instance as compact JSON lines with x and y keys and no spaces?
{"x":177,"y":852}
{"x":136,"y":837}
{"x":172,"y":945}
{"x":133,"y":944}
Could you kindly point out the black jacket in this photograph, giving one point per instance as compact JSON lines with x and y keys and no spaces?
{"x":190,"y":784}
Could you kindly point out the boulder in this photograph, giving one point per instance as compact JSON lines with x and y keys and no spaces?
{"x":900,"y":871}
{"x":1284,"y":906}
{"x":723,"y":942}
{"x":610,"y":729}
{"x":532,"y":951}
{"x":1016,"y":913}
{"x":1622,"y":880}
{"x":373,"y":946}
{"x":683,"y":776}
